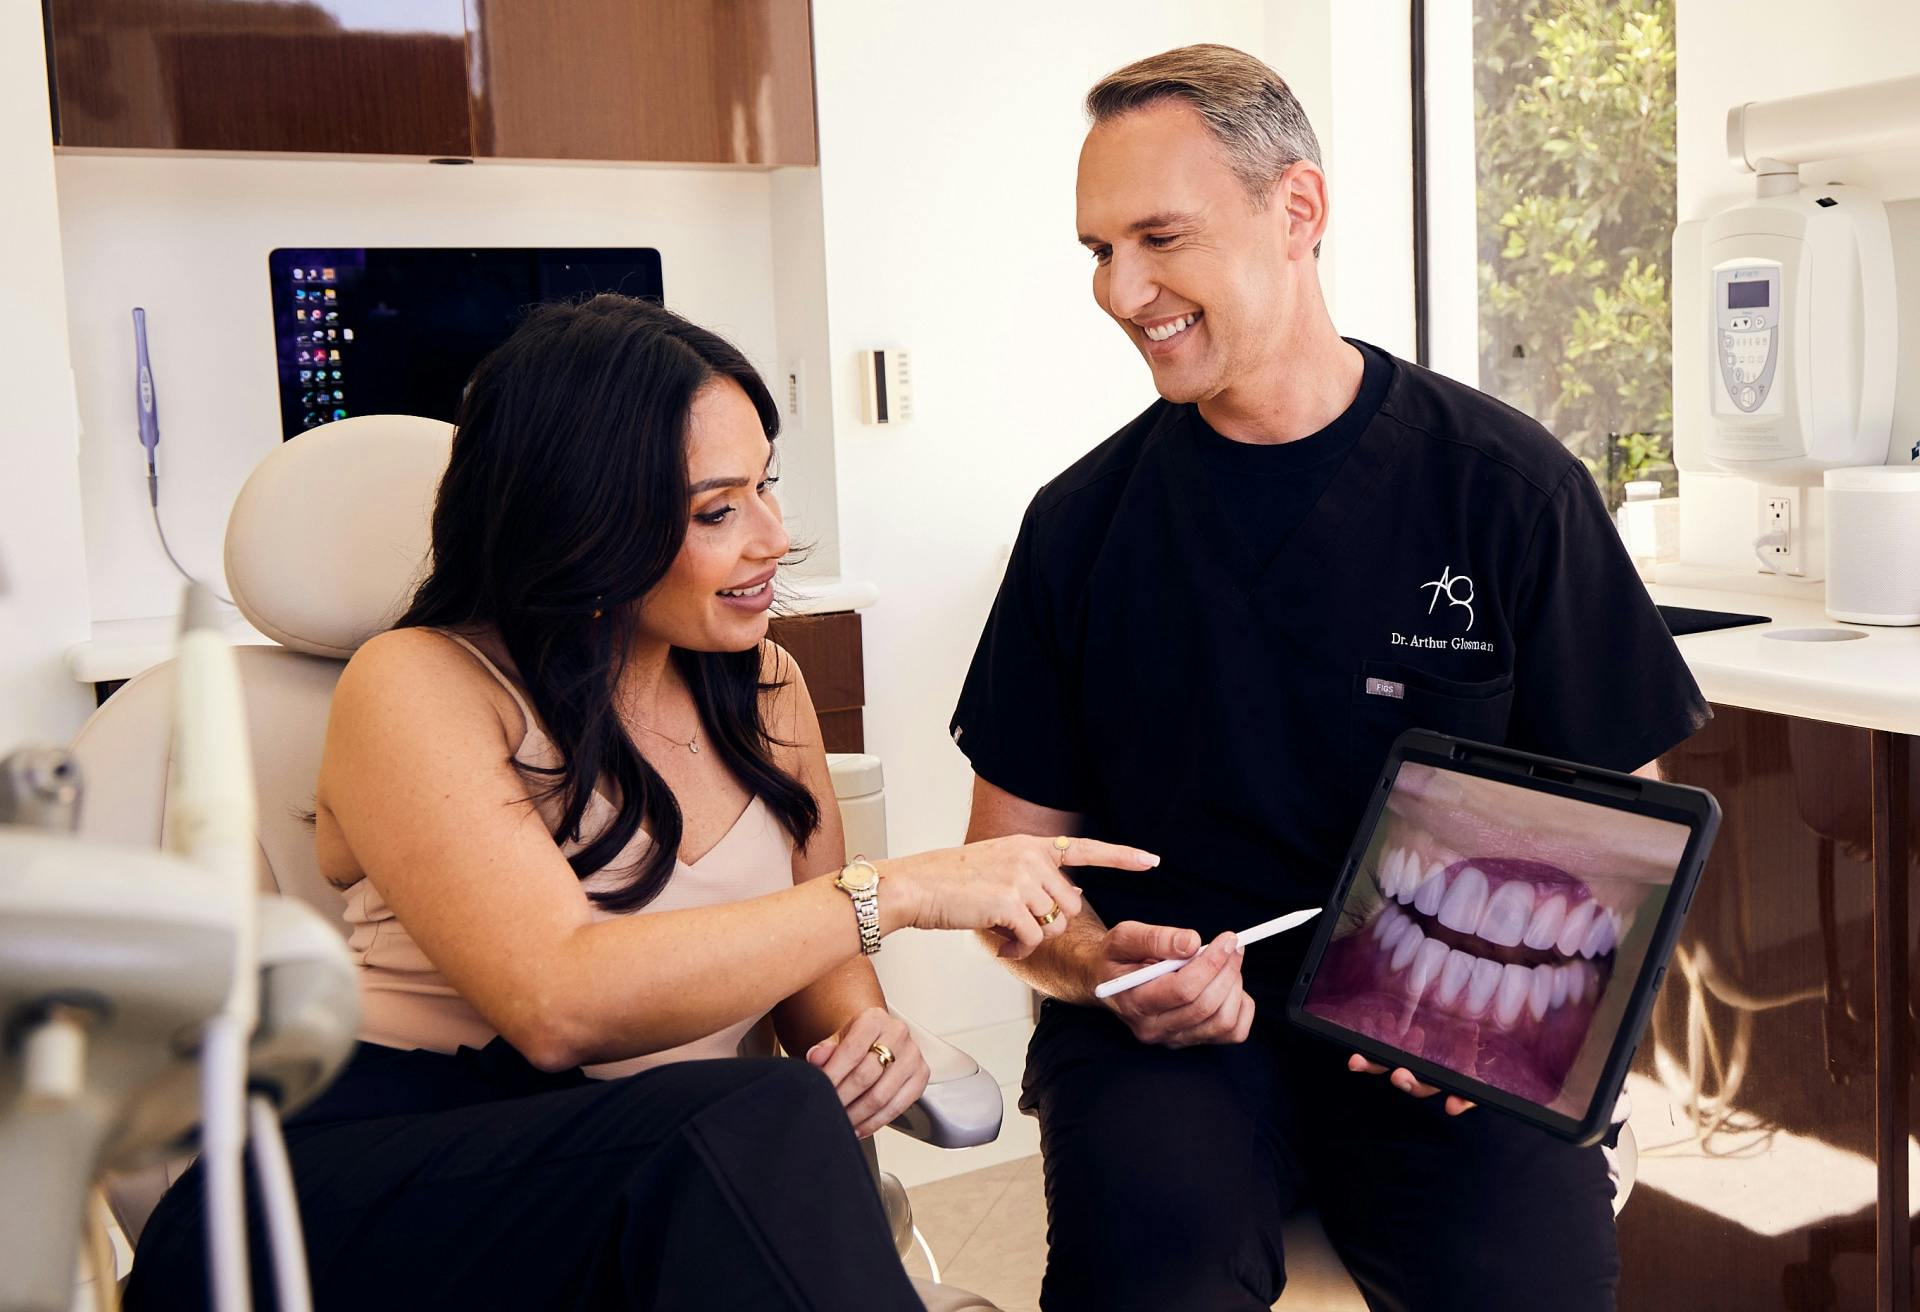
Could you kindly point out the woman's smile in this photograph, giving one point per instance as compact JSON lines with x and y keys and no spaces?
{"x":753,"y":596}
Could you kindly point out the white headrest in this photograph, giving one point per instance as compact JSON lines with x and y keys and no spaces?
{"x":330,"y":535}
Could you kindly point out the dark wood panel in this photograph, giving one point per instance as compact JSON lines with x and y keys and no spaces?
{"x":827,"y":649}
{"x":844,"y":731}
{"x":694,"y":81}
{"x":1770,"y":998}
{"x":265,"y":75}
{"x":1906,"y":754}
{"x":1892,"y":1021}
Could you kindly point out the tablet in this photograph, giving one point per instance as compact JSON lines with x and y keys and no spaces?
{"x":1501,"y":924}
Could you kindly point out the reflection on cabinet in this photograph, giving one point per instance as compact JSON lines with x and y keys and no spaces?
{"x":720,"y":81}
{"x":677,"y":81}
{"x":1772,"y":1105}
{"x":268,"y":75}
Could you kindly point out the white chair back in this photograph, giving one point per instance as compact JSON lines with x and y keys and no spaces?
{"x":326,"y":542}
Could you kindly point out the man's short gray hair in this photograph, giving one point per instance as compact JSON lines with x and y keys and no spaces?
{"x":1248,"y":108}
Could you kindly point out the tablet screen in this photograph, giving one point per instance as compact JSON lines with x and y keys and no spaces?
{"x":1498,"y":930}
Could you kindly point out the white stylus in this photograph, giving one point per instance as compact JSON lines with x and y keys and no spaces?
{"x":1265,"y":929}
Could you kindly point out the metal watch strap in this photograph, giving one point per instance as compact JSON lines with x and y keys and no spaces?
{"x":866,"y":908}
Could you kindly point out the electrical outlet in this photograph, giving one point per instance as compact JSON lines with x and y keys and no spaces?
{"x":1782,"y":530}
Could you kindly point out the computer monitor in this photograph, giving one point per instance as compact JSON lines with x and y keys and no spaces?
{"x":398,"y":330}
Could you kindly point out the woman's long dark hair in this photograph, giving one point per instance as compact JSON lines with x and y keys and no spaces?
{"x":567,"y":495}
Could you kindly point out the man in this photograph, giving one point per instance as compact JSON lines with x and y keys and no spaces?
{"x":1211,"y":629}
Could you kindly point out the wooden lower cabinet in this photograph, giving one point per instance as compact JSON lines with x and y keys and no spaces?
{"x":1774,"y":1135}
{"x":827,"y":650}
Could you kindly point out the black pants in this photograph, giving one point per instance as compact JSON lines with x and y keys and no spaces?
{"x":476,"y":1181}
{"x":1168,"y":1173}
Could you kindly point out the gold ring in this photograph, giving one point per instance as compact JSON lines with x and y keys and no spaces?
{"x":883,"y":1052}
{"x":1051,"y":916}
{"x":1060,"y":846}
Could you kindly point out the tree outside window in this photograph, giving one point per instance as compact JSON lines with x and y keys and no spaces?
{"x":1574,"y":112}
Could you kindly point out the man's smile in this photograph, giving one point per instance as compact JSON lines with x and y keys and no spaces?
{"x":1168,"y":329}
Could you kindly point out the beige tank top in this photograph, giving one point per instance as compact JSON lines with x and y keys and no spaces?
{"x":406,"y":1003}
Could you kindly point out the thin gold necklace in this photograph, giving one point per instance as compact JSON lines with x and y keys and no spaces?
{"x":692,"y":744}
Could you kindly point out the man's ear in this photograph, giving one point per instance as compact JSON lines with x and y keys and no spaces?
{"x":1301,"y":193}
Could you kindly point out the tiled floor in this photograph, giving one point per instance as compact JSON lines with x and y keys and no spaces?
{"x":988,"y":1232}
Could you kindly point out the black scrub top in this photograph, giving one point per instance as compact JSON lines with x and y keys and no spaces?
{"x":1148,"y":665}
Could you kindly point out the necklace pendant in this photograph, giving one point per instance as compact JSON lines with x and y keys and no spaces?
{"x":694,"y":747}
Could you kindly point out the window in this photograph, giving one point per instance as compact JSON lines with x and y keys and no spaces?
{"x":1573,"y":215}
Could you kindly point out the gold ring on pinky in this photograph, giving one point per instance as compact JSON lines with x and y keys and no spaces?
{"x":1052,"y":915}
{"x":883,"y":1052}
{"x":1060,"y":846}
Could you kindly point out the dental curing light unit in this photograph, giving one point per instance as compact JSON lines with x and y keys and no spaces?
{"x":1797,"y":340}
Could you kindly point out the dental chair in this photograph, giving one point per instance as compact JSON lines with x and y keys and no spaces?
{"x":324,"y":546}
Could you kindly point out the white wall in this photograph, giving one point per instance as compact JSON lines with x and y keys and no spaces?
{"x":187,"y":237}
{"x":1367,"y":134}
{"x":1350,"y":66}
{"x":1781,"y":53}
{"x":807,"y":484}
{"x":949,"y":136}
{"x":1453,"y":220}
{"x":43,"y":577}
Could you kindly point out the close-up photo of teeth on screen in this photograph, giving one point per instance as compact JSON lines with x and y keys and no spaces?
{"x":1497,"y":931}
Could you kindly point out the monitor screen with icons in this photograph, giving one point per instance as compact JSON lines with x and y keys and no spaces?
{"x":398,"y":330}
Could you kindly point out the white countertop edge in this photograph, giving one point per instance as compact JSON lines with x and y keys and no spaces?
{"x":822,"y":596}
{"x":1784,"y":696}
{"x":120,"y":649}
{"x":1872,"y":683}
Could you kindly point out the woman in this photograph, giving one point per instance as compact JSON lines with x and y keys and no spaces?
{"x":581,"y":817}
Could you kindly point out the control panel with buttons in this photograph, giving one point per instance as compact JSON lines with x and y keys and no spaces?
{"x":1747,"y":316}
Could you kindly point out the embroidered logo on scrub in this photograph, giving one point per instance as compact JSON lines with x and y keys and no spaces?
{"x":1449,"y":585}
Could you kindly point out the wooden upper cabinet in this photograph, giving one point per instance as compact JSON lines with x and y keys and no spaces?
{"x":680,"y":81}
{"x":672,"y":81}
{"x":348,"y":78}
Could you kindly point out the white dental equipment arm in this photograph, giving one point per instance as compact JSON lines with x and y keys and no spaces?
{"x":210,"y":822}
{"x":113,"y":959}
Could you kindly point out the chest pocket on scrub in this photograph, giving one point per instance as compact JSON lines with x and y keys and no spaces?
{"x":1478,"y":710}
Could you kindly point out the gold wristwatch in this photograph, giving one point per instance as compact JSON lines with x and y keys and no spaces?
{"x":861,"y":882}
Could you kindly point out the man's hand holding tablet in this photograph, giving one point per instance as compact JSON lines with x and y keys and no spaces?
{"x":1403,"y":1080}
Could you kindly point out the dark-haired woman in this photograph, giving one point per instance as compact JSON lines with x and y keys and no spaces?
{"x":581,"y":816}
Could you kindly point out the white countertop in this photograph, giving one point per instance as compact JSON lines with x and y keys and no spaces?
{"x":120,"y":649}
{"x":1872,"y":681}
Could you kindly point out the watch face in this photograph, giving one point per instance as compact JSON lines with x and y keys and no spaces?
{"x":860,"y":878}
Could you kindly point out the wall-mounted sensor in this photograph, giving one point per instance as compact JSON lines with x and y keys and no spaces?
{"x":886,"y":387}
